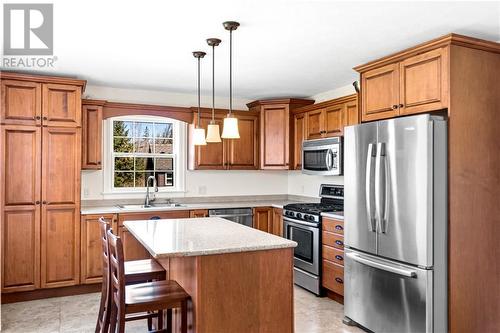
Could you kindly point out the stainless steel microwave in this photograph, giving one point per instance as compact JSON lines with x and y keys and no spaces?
{"x":322,"y":156}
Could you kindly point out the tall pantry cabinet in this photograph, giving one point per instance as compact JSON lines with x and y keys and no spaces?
{"x":40,"y":155}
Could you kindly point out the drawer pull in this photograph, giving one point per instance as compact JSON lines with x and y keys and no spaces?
{"x":155,"y":218}
{"x":338,"y":227}
{"x":339,"y":280}
{"x":338,"y":242}
{"x":339,"y":257}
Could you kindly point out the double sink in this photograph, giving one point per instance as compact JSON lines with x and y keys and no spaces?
{"x":152,"y":205}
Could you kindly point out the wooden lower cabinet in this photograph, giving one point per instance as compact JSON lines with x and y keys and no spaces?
{"x":91,"y":248}
{"x":198,"y":213}
{"x":333,"y":256}
{"x":277,"y":228}
{"x":268,"y":219}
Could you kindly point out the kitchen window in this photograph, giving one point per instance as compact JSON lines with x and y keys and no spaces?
{"x":143,"y":146}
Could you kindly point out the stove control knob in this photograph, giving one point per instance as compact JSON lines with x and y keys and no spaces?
{"x":298,"y":215}
{"x":306,"y":217}
{"x":310,"y":218}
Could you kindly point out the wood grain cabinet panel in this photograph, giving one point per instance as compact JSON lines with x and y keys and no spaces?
{"x":333,"y":118}
{"x":60,"y":246}
{"x":20,"y":248}
{"x":61,"y":105}
{"x":351,"y":114}
{"x":91,"y":137}
{"x":424,"y":82}
{"x":333,"y":277}
{"x":211,"y":156}
{"x":315,"y":124}
{"x":274,"y":137}
{"x":243,"y":153}
{"x":263,"y":219}
{"x":21,"y":103}
{"x":380,"y":92}
{"x":198,"y":213}
{"x":91,"y":248}
{"x":277,"y":223}
{"x":299,"y":135}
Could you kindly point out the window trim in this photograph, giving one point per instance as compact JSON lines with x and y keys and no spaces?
{"x":179,"y":156}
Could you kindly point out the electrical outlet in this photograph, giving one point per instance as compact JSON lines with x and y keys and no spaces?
{"x":202,"y":189}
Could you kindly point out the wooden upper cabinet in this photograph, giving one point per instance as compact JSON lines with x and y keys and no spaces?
{"x":380,"y":92}
{"x":414,"y":82}
{"x":91,"y":248}
{"x":92,"y":135}
{"x":424,"y":82}
{"x":243,"y":153}
{"x":333,"y":125}
{"x":315,"y":124}
{"x":351,"y":114}
{"x":20,"y":207}
{"x":21,"y":103}
{"x":299,"y":135}
{"x":61,"y":105}
{"x":212,"y":156}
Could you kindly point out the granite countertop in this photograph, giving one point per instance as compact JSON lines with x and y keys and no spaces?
{"x":201,"y":236}
{"x":334,"y":215}
{"x":189,"y":206}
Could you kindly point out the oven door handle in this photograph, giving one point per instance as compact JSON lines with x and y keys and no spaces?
{"x":299,"y":223}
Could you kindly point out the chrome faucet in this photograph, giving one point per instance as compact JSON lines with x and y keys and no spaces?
{"x":148,"y":199}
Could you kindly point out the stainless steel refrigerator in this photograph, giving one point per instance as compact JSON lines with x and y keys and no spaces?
{"x":395,"y":225}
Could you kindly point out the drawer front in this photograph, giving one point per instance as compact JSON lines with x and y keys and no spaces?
{"x":335,"y":240}
{"x":333,"y":277}
{"x":336,"y":226}
{"x":333,"y":254}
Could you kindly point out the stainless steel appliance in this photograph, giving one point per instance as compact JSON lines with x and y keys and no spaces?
{"x":302,"y":224}
{"x":239,"y":215}
{"x":322,"y":156}
{"x":395,"y":225}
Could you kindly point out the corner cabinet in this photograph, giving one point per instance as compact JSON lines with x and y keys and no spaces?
{"x":40,"y":155}
{"x":230,"y":154}
{"x":92,"y":134}
{"x":276,"y":143}
{"x":415,"y":84}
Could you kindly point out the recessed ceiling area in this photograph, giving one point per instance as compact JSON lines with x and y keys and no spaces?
{"x":282,"y":48}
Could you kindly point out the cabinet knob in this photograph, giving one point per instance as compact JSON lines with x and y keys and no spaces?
{"x":339,"y":280}
{"x":37,"y":202}
{"x":44,"y":118}
{"x":37,"y":117}
{"x":401,"y":105}
{"x":340,"y":258}
{"x":338,"y":227}
{"x":99,"y":163}
{"x":340,"y":243}
{"x":394,"y":106}
{"x":44,"y":202}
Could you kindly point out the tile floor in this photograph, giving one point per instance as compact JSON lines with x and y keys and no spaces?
{"x":312,"y":315}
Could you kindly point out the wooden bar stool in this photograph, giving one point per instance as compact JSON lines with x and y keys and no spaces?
{"x":151,"y":297}
{"x":136,"y":271}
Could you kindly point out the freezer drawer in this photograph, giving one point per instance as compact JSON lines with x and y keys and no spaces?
{"x":385,"y":296}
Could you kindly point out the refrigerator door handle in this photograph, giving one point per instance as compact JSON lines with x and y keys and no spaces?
{"x":381,"y":265}
{"x":381,"y":187}
{"x":369,"y":187}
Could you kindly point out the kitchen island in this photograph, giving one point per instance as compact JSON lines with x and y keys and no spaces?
{"x":240,"y":279}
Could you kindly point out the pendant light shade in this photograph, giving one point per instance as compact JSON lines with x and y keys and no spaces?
{"x":230,"y":127}
{"x":213,"y":132}
{"x":199,"y":132}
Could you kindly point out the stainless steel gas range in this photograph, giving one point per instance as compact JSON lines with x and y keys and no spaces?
{"x":302,"y":224}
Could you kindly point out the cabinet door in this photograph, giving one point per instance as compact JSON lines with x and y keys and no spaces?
{"x":244,"y":152}
{"x":333,"y":118}
{"x":274,"y":137}
{"x":21,"y":103}
{"x":424,"y":82}
{"x":380,"y":93}
{"x":263,"y":219}
{"x":299,"y":135}
{"x":277,"y":222}
{"x":351,"y":114}
{"x":315,"y":124}
{"x":91,"y":248}
{"x":60,"y":246}
{"x":198,"y":213}
{"x":20,"y":154}
{"x":61,"y":105}
{"x":91,"y":137}
{"x":213,"y":155}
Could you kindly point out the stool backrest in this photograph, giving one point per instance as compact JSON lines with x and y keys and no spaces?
{"x":104,"y":227}
{"x":117,"y":269}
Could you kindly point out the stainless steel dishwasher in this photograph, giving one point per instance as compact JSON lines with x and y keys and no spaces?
{"x":239,"y":215}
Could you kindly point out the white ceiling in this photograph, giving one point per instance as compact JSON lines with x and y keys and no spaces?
{"x":282,"y":48}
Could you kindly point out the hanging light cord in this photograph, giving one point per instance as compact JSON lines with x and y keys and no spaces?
{"x":199,"y":101}
{"x":230,"y":71}
{"x":213,"y":83}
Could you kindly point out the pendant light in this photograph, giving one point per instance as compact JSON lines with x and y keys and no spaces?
{"x":199,"y":132}
{"x":230,"y":129}
{"x":213,"y":133}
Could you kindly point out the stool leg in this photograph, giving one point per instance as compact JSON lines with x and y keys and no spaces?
{"x":150,"y":324}
{"x":112,"y":324}
{"x":184,"y":317}
{"x":169,"y":321}
{"x":160,"y":320}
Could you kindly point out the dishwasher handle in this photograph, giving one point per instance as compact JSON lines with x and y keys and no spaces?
{"x":230,"y":215}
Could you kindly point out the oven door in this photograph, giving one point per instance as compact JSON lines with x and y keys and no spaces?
{"x":307,"y":236}
{"x":321,"y":160}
